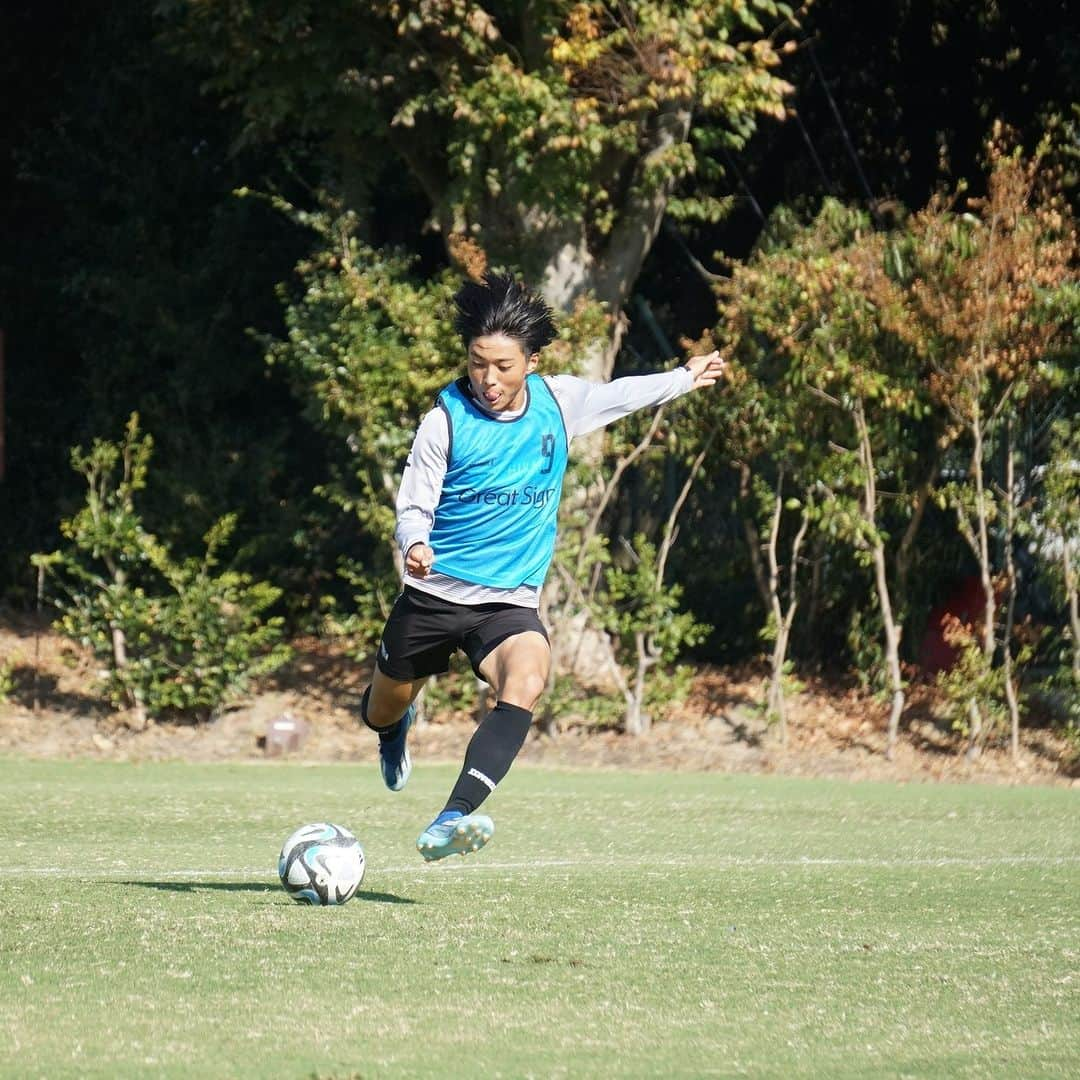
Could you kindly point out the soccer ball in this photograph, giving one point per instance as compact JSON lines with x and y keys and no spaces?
{"x":321,"y":864}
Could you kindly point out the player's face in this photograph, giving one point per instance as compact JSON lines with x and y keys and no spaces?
{"x":497,"y":370}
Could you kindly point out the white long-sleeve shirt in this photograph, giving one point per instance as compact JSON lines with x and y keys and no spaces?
{"x":586,"y":406}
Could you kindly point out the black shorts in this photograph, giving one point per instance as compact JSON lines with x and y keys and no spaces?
{"x":423,"y":631}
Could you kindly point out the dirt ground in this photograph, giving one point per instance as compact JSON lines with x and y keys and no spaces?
{"x":49,"y":709}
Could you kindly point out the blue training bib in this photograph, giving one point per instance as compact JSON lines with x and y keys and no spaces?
{"x":496,"y":521}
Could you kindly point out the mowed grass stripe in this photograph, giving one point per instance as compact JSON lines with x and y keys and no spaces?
{"x":618,"y":925}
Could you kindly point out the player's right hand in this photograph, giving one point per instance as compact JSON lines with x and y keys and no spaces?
{"x":418,"y":560}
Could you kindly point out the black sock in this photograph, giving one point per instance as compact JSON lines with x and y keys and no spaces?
{"x":384,"y":733}
{"x":491,"y":752}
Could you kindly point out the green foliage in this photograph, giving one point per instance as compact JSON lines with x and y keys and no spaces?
{"x":1059,"y":520}
{"x":7,"y":680}
{"x":669,"y":686}
{"x":368,"y":347}
{"x":569,"y":114}
{"x":599,"y":711}
{"x":972,"y":681}
{"x":864,"y":642}
{"x":174,"y":635}
{"x":455,"y":693}
{"x":370,"y":600}
{"x":636,"y":603}
{"x":645,"y":617}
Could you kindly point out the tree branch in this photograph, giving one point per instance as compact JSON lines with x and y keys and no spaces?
{"x":793,"y":572}
{"x":669,"y":528}
{"x":609,"y":489}
{"x":818,"y":392}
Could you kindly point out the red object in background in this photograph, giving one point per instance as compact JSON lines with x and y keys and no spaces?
{"x":968,"y":603}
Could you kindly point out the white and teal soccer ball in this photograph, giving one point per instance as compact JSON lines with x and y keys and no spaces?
{"x":321,"y":864}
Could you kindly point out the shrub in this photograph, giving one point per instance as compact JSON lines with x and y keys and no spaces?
{"x":173,"y":635}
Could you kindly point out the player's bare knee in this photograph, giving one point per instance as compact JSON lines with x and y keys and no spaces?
{"x":524,"y":690}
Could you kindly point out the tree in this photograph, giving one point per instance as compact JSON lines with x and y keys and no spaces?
{"x":826,"y":324}
{"x":767,"y":437}
{"x":552,"y":134}
{"x":975,"y":304}
{"x":547,"y":138}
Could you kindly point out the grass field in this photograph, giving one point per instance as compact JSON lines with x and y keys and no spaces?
{"x":617,"y":925}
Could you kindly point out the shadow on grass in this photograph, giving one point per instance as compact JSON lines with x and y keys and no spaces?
{"x":250,"y":886}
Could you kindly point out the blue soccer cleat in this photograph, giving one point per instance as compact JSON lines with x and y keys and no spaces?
{"x":394,"y":761}
{"x":454,"y":834}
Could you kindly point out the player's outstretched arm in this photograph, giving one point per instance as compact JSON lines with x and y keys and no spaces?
{"x":588,"y":406}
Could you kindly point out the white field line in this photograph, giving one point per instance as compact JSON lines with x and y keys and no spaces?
{"x":723,"y":863}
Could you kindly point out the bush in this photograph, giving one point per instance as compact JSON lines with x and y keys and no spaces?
{"x":174,"y":636}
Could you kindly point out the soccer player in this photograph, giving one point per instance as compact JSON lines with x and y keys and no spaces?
{"x":476,"y":521}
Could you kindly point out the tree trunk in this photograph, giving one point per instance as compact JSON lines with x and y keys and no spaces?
{"x":120,"y":661}
{"x":775,"y":711}
{"x":811,"y":638}
{"x":881,"y":580}
{"x":776,"y":707}
{"x":637,"y":721}
{"x":892,"y":650}
{"x":982,"y":538}
{"x":975,"y":727}
{"x":1011,"y":695}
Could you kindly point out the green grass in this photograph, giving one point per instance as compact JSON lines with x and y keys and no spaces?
{"x":617,"y":925}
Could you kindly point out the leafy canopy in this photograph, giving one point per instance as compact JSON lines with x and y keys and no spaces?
{"x":509,"y":115}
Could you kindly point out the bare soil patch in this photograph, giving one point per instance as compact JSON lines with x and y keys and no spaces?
{"x":52,"y":710}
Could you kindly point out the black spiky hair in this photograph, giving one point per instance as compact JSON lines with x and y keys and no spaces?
{"x":500,"y":305}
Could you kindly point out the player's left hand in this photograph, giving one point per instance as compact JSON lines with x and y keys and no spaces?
{"x":707,"y":370}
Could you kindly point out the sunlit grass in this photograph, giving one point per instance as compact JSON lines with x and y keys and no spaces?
{"x":617,"y":925}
